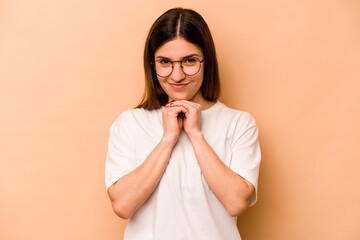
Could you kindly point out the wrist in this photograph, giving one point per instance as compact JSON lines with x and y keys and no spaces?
{"x":168,"y":140}
{"x":196,"y":136}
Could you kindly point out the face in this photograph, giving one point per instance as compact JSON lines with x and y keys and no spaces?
{"x":178,"y":85}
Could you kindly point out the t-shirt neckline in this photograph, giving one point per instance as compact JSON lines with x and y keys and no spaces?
{"x":211,"y":109}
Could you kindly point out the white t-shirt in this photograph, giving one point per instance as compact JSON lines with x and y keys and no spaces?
{"x":182,"y":206}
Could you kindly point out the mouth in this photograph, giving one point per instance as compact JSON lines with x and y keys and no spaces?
{"x":178,"y":85}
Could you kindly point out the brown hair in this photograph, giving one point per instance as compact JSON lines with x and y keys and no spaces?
{"x":188,"y":24}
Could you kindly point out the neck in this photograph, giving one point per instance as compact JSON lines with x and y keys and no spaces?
{"x":207,"y":105}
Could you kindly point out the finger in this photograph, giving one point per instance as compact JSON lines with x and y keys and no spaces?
{"x":169,"y":103}
{"x":187,"y":103}
{"x":191,"y":106}
{"x":176,"y":110}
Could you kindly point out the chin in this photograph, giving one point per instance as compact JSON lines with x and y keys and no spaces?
{"x":180,"y":98}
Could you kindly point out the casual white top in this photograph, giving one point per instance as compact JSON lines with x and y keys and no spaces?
{"x":182,"y":206}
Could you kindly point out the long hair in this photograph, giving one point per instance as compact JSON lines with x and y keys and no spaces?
{"x":188,"y":24}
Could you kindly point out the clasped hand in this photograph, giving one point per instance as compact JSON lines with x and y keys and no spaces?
{"x":182,"y":114}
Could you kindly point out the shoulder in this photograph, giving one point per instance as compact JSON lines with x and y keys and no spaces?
{"x":132,"y":116}
{"x":234,"y":116}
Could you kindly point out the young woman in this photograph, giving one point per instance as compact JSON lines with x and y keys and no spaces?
{"x":182,"y":165}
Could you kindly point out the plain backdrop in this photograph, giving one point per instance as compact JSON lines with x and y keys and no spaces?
{"x":69,"y":68}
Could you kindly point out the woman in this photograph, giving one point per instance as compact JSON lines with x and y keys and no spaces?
{"x":182,"y":165}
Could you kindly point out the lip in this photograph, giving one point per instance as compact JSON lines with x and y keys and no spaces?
{"x":178,"y":86}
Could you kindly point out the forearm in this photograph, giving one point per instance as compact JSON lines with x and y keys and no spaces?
{"x":233,"y":191}
{"x":133,"y":189}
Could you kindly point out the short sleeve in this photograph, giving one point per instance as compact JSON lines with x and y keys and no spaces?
{"x":246,"y":155}
{"x":120,"y":158}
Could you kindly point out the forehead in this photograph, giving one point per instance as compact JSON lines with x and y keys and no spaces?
{"x":177,"y":48}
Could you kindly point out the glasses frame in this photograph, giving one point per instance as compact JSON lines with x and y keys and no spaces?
{"x":172,"y":66}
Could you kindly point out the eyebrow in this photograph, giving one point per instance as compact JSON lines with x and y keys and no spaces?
{"x":191,"y":55}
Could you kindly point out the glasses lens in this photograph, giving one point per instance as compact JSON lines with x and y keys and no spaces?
{"x":163,"y":67}
{"x":191,"y":65}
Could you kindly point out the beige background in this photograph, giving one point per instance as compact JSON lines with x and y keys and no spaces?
{"x":68,"y":68}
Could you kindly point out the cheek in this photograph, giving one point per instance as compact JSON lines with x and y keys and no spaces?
{"x":200,"y":79}
{"x":201,"y":75}
{"x":163,"y":85}
{"x":161,"y":81}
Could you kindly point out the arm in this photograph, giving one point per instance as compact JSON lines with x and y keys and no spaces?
{"x":233,"y":191}
{"x":133,"y":189}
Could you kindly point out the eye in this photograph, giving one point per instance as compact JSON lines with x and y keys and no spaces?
{"x":190,"y":61}
{"x":164,"y":62}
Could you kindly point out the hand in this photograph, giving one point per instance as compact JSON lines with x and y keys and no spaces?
{"x":191,"y":120}
{"x":172,"y":122}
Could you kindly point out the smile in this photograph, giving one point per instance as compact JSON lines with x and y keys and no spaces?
{"x":178,"y":86}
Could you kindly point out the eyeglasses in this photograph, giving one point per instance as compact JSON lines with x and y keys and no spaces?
{"x":189,"y":65}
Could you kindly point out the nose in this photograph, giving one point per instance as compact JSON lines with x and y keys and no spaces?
{"x":177,"y":73}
